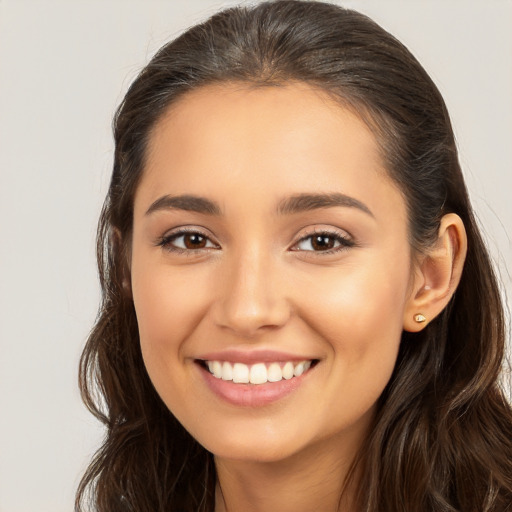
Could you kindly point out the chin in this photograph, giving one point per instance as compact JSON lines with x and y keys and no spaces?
{"x":256,"y":453}
{"x":259,"y":447}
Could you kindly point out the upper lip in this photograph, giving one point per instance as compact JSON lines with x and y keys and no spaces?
{"x":253,"y":356}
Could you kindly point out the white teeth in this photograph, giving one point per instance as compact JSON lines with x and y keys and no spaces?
{"x":217,"y":369}
{"x":258,"y":373}
{"x":227,"y":371}
{"x":301,"y":368}
{"x":240,"y":373}
{"x":298,"y":370}
{"x":288,"y":371}
{"x":274,"y":373}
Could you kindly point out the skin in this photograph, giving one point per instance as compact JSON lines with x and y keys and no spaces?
{"x":259,"y":283}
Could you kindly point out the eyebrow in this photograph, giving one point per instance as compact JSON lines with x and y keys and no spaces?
{"x":290,"y":205}
{"x":185,"y":202}
{"x":306,"y":202}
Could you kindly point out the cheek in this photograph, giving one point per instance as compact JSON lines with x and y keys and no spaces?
{"x":359,"y":314}
{"x":355,"y":301}
{"x":168,"y":307}
{"x":167,"y":303}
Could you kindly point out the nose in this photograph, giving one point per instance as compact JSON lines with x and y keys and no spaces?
{"x":251,"y":296}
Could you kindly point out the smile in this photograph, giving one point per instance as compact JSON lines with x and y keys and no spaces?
{"x":259,"y":373}
{"x":256,"y":378}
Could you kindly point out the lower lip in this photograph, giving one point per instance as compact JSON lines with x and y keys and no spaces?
{"x":251,"y":395}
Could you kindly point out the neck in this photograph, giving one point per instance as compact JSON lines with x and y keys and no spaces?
{"x":319,"y":478}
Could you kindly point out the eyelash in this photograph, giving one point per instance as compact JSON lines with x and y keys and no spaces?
{"x":343,"y":241}
{"x":166,"y":241}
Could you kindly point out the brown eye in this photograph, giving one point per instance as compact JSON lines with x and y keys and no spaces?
{"x":322,"y":242}
{"x":186,"y":241}
{"x":194,"y":241}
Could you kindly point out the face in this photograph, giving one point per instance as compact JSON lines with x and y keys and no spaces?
{"x":270,"y":269}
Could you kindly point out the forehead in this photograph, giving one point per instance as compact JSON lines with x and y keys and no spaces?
{"x":230,"y":138}
{"x":251,"y":116}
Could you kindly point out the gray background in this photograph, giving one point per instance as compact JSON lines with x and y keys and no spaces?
{"x":64,"y":66}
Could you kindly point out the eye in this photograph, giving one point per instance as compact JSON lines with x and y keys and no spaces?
{"x":186,"y":241}
{"x":323,"y":241}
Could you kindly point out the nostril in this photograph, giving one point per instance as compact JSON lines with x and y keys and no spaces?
{"x":250,"y":322}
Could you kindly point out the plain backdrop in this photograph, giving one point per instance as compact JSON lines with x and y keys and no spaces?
{"x":64,"y":66}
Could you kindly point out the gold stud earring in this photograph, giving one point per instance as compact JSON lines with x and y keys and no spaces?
{"x":419,"y":318}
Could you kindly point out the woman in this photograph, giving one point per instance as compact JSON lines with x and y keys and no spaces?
{"x":298,"y":310}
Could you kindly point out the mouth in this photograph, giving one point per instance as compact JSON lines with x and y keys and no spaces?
{"x":258,"y":373}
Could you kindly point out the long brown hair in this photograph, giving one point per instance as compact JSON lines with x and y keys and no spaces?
{"x":442,"y":439}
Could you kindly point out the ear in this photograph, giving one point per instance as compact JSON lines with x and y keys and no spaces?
{"x":437,"y":274}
